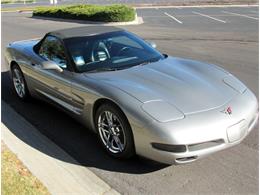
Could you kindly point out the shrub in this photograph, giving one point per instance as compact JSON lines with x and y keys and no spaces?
{"x":113,"y":13}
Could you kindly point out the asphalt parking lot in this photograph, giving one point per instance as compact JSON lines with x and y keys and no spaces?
{"x":132,"y":2}
{"x":227,"y":36}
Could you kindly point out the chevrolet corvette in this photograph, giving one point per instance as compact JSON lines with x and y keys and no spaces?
{"x":137,"y":100}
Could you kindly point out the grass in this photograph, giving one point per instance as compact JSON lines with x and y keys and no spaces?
{"x":16,"y":178}
{"x":111,"y":13}
{"x":16,"y":1}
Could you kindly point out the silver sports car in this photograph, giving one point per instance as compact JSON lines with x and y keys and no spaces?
{"x":136,"y":99}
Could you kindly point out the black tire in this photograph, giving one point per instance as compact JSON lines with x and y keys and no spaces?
{"x":26,"y":94}
{"x":129,"y":149}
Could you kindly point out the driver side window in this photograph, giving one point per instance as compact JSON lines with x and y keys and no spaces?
{"x":52,"y":49}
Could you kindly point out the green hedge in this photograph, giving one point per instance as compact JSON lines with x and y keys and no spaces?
{"x":113,"y":13}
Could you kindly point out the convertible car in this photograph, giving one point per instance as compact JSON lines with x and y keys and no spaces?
{"x":136,"y":99}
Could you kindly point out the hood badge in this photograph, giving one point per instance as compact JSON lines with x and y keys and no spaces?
{"x":227,"y":110}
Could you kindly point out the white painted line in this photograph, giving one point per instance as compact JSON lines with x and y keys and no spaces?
{"x":253,"y":11}
{"x":207,"y":16}
{"x":173,"y":17}
{"x":194,"y":6}
{"x":236,"y":14}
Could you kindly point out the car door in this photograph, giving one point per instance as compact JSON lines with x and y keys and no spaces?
{"x":52,"y":84}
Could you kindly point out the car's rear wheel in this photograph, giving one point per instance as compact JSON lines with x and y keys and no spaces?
{"x":114,"y":131}
{"x":19,"y":83}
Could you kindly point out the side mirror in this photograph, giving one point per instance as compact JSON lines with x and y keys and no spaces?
{"x":50,"y":65}
{"x":152,"y":44}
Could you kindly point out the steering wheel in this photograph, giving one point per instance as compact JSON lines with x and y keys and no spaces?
{"x":99,"y":47}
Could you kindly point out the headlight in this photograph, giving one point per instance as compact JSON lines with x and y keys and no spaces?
{"x":234,"y":83}
{"x":162,"y":111}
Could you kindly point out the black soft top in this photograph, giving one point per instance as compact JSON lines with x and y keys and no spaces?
{"x":83,"y":31}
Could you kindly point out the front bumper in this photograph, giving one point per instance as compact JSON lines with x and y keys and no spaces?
{"x":201,"y":133}
{"x":190,"y":156}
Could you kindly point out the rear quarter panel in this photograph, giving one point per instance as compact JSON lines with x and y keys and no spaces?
{"x":23,"y":54}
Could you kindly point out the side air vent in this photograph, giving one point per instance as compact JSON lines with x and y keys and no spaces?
{"x":169,"y":148}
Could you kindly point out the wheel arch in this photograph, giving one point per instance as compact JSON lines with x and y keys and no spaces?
{"x":102,"y":101}
{"x":12,"y":64}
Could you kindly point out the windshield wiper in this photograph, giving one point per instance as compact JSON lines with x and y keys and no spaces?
{"x":147,"y":62}
{"x":102,"y":69}
{"x":144,"y":63}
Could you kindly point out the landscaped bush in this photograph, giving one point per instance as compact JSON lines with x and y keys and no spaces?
{"x":113,"y":13}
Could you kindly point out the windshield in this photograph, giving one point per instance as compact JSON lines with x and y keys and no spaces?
{"x":110,"y":51}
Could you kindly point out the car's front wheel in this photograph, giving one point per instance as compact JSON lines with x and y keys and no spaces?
{"x":19,"y":83}
{"x":114,"y":131}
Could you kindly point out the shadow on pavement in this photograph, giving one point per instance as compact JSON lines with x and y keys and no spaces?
{"x":68,"y":134}
{"x":68,"y":20}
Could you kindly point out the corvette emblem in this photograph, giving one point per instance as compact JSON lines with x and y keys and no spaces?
{"x":227,"y":110}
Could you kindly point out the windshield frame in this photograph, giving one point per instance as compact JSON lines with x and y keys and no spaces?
{"x":139,"y":40}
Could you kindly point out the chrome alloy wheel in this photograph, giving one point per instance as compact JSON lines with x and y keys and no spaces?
{"x":19,"y":84}
{"x":111,"y":132}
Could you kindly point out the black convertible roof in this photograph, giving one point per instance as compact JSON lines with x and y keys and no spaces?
{"x":83,"y":31}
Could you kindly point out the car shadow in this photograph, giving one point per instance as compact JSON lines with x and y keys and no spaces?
{"x":68,"y":134}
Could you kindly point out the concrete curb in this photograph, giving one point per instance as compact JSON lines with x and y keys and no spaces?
{"x":137,"y":21}
{"x":58,"y":171}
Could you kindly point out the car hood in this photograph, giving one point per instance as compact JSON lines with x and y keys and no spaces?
{"x":190,"y":86}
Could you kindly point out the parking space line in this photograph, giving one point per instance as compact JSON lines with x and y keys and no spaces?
{"x":173,"y":17}
{"x":207,"y":16}
{"x":236,"y":14}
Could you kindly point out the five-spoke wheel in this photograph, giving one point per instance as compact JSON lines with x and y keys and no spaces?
{"x":19,"y":83}
{"x":114,"y":131}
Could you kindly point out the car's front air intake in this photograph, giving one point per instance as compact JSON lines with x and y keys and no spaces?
{"x":204,"y":145}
